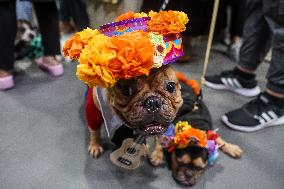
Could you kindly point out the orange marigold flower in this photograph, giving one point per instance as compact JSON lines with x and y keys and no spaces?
{"x":184,"y":133}
{"x":74,"y":46}
{"x":167,"y":22}
{"x":134,"y":55}
{"x":93,"y":68}
{"x":105,"y":60}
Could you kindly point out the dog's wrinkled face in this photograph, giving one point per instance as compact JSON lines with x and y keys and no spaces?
{"x":148,"y":104}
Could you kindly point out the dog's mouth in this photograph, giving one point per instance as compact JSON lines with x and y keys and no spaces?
{"x":154,"y":128}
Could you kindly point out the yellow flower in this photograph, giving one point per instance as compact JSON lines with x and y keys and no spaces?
{"x":182,"y":126}
{"x":152,"y":13}
{"x":183,"y":19}
{"x":167,"y":22}
{"x":140,"y":15}
{"x":94,"y":61}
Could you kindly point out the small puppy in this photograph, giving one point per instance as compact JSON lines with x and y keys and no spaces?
{"x":146,"y":104}
{"x":25,"y":34}
{"x":187,"y":164}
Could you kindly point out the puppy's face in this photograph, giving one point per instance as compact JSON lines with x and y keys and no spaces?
{"x":25,"y":32}
{"x":190,"y":164}
{"x":148,"y":104}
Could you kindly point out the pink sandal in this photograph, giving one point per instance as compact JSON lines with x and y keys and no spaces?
{"x":6,"y":82}
{"x":52,"y":69}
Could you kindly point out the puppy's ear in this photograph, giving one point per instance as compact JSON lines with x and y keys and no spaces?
{"x":199,"y":163}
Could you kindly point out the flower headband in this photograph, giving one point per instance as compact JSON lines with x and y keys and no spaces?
{"x":183,"y":135}
{"x":127,"y":48}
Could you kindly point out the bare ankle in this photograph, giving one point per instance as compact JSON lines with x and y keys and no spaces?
{"x":274,"y":94}
{"x":4,"y":73}
{"x":245,"y":69}
{"x":51,"y":60}
{"x":236,"y":39}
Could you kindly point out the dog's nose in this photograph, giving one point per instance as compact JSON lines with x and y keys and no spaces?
{"x":152,"y":104}
{"x":31,"y":36}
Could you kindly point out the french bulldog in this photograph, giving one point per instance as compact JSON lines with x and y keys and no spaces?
{"x":146,"y":104}
{"x":188,"y":164}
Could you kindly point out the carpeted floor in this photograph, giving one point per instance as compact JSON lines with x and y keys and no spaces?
{"x":43,"y":138}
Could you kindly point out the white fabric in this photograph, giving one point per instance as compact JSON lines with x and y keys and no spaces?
{"x":111,"y":120}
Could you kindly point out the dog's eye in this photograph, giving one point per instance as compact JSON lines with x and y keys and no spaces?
{"x":171,"y":87}
{"x":127,"y":91}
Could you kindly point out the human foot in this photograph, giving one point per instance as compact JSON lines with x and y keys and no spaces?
{"x":6,"y":80}
{"x":51,"y":65}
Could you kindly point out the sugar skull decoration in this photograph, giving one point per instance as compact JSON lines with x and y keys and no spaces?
{"x":160,"y":49}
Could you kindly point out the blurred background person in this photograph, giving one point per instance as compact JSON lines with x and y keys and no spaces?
{"x":235,"y":22}
{"x":198,"y":11}
{"x":263,"y":29}
{"x":47,"y":16}
{"x":73,"y":10}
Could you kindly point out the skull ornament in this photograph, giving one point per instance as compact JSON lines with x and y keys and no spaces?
{"x":160,"y":49}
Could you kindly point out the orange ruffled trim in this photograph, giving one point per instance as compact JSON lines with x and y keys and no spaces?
{"x":190,"y":82}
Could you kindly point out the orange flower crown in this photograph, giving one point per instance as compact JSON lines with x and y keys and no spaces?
{"x":127,"y":48}
{"x":186,"y":135}
{"x":183,"y":135}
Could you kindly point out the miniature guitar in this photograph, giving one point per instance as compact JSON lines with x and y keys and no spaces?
{"x":128,"y":156}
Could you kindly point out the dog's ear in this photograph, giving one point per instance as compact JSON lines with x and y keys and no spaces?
{"x":197,"y":155}
{"x":199,"y":163}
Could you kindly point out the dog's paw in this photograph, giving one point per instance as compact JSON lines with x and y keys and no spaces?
{"x":232,"y":150}
{"x":95,"y":150}
{"x":157,"y":158}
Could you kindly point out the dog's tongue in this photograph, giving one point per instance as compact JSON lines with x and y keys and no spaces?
{"x":154,"y":128}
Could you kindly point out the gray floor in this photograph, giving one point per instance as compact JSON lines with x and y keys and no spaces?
{"x":43,"y":139}
{"x":43,"y":135}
